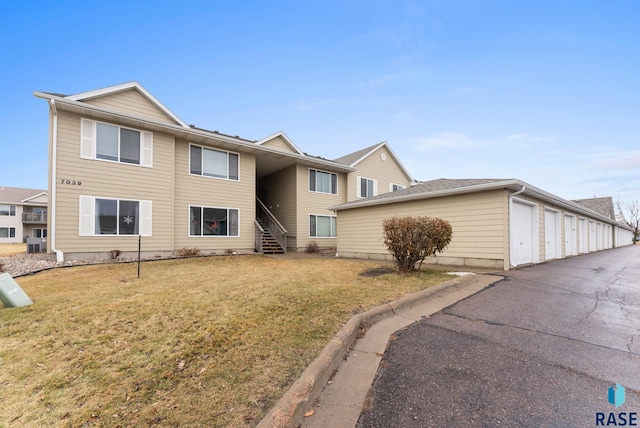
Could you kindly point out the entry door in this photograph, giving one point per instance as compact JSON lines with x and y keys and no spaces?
{"x":522,"y":233}
{"x":551,"y":234}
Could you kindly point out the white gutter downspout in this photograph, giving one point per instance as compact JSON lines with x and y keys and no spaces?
{"x":52,"y":178}
{"x":510,"y":225}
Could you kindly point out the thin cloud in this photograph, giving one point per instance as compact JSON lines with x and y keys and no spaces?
{"x":619,"y":160}
{"x":457,"y":140}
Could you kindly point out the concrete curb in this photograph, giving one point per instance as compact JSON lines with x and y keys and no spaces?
{"x":289,"y":410}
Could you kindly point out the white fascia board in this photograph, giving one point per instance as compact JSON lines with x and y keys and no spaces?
{"x":34,"y":196}
{"x":123,"y":87}
{"x":190,"y":134}
{"x":282,"y":135}
{"x":516,"y":184}
{"x":395,"y":158}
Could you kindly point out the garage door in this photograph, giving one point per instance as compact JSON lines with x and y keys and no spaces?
{"x":583,"y":237}
{"x":551,"y":234}
{"x":522,"y":233}
{"x":570,"y":236}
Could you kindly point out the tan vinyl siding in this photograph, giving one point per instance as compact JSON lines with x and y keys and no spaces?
{"x":281,"y":199}
{"x":315,"y":203}
{"x":213,"y":192}
{"x":131,"y":102}
{"x":278,"y":143}
{"x":477,"y":220}
{"x":373,"y":167}
{"x":100,"y":178}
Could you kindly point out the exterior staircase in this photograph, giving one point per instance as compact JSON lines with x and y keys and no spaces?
{"x":270,"y":244}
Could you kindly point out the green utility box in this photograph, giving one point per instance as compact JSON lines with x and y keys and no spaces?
{"x":11,"y":294}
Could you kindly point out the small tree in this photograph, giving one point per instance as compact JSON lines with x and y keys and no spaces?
{"x":411,"y":239}
{"x":629,"y":214}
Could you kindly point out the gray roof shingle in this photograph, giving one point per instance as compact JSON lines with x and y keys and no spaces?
{"x":602,"y":206}
{"x":352,"y":157}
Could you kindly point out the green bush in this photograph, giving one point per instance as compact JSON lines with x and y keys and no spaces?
{"x":411,"y":239}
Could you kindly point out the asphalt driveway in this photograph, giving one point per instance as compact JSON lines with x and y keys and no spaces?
{"x":540,"y":348}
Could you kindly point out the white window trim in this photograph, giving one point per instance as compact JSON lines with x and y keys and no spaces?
{"x":88,"y":141}
{"x":9,"y":232}
{"x":326,"y":172}
{"x":209,"y":176}
{"x":358,"y":187}
{"x":212,"y":236}
{"x":322,"y":237}
{"x":394,"y":184}
{"x":15,"y":209}
{"x":87,"y":218}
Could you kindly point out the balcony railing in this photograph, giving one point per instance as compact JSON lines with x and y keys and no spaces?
{"x":34,"y":218}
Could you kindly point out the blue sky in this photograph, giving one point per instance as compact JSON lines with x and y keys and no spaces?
{"x":544,"y":91}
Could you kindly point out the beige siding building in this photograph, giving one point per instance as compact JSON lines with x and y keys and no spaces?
{"x":498,"y":224}
{"x":124,"y":168}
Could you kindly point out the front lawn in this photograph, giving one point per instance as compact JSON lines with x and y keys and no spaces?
{"x":12,"y":249}
{"x":209,"y":341}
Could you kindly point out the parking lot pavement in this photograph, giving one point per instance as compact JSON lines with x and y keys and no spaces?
{"x":540,"y":348}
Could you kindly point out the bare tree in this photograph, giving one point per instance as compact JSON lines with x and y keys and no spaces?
{"x":629,"y":214}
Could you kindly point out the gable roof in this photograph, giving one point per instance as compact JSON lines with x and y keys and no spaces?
{"x":449,"y":187}
{"x":18,"y":195}
{"x":603,"y":206}
{"x":353,"y":159}
{"x":284,"y":137}
{"x":109,"y":90}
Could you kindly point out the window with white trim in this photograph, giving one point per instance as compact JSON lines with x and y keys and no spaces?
{"x":115,"y":143}
{"x":39,"y":233}
{"x":211,"y":221}
{"x":8,"y":210}
{"x":322,"y":226}
{"x":7,"y":232}
{"x":213,"y":163}
{"x":109,"y":216}
{"x":367,"y":187}
{"x":394,"y":187}
{"x":323,"y":182}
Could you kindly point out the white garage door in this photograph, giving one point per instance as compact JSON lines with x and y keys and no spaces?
{"x":522,"y":233}
{"x":551,"y":234}
{"x":583,"y":236}
{"x":570,"y":236}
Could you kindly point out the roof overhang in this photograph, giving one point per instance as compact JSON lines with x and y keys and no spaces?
{"x":267,"y":160}
{"x":514,"y":185}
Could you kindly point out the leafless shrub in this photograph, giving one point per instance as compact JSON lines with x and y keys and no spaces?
{"x":411,"y":239}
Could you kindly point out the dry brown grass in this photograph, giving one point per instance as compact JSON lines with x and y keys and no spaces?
{"x":194,"y":342}
{"x":12,"y":249}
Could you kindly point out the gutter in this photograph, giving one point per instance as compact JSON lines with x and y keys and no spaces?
{"x":52,"y":178}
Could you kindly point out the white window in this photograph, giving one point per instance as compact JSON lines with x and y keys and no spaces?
{"x":322,"y":226}
{"x":114,"y":143}
{"x":109,"y":216}
{"x":7,"y":232}
{"x":213,"y":163}
{"x":323,"y":182}
{"x":394,"y":187}
{"x":367,"y":187}
{"x":9,"y":210}
{"x":39,"y":233}
{"x":210,"y":221}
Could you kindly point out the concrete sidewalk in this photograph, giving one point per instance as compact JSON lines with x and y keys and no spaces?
{"x":333,"y":389}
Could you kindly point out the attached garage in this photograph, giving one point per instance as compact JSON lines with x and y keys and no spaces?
{"x":496,"y":223}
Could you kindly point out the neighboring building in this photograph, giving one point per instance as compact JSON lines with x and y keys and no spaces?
{"x":497,"y":223}
{"x":122,"y":165}
{"x":23,"y":214}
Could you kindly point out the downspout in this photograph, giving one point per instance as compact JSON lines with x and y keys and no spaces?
{"x":510,"y":231}
{"x":52,"y":178}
